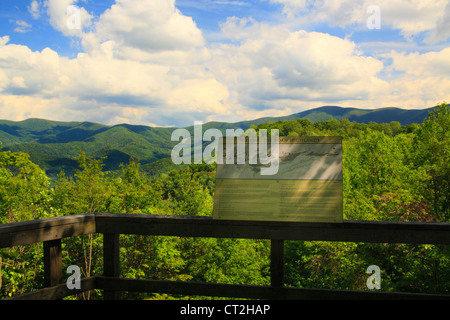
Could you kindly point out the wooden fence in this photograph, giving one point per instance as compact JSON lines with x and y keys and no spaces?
{"x":51,"y":231}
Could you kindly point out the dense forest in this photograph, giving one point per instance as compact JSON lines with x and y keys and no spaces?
{"x":391,"y":172}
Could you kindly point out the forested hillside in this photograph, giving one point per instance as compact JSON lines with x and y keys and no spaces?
{"x":53,"y":145}
{"x":391,"y":172}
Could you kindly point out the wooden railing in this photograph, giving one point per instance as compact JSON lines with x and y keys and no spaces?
{"x":51,"y":231}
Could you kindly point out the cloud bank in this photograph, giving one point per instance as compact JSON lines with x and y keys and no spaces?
{"x":145,"y":62}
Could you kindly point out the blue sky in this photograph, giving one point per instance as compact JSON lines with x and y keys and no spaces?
{"x":39,"y":34}
{"x":208,"y":15}
{"x":166,"y":62}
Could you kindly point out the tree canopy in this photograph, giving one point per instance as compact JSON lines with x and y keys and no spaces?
{"x":391,"y":172}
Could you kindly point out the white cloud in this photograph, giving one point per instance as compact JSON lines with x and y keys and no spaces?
{"x":442,"y":30}
{"x":410,"y":17}
{"x":150,"y":25}
{"x":430,"y":64}
{"x":34,"y":9}
{"x":165,"y":79}
{"x":66,"y":17}
{"x":22,"y":26}
{"x":275,"y":64}
{"x":38,"y":70}
{"x":273,"y":70}
{"x":422,"y":80}
{"x":416,"y":80}
{"x":144,"y":62}
{"x":232,"y":3}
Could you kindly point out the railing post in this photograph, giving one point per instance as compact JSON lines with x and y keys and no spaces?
{"x":52,"y":263}
{"x":111,"y":262}
{"x":277,"y":263}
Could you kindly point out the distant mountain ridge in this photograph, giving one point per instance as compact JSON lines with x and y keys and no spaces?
{"x":381,"y":115}
{"x":53,"y":145}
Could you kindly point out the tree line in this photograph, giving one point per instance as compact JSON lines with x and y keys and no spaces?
{"x":391,"y":172}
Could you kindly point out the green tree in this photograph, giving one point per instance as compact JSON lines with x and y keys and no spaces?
{"x":90,"y":190}
{"x":432,"y":153}
{"x":290,"y":128}
{"x":379,"y":181}
{"x":24,"y":195}
{"x":395,"y":127}
{"x":326,"y":265}
{"x":23,"y":188}
{"x":134,"y":192}
{"x":188,"y":191}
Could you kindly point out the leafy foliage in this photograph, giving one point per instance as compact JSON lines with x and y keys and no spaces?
{"x":392,"y":172}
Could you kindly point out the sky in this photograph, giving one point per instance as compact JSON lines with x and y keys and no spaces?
{"x":170,"y":63}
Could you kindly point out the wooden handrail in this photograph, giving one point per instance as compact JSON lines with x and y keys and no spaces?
{"x":34,"y":231}
{"x":347,"y":231}
{"x":52,"y":230}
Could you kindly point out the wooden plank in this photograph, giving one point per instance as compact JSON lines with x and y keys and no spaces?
{"x":111,"y":261}
{"x":348,"y":231}
{"x":250,"y":291}
{"x":277,"y":263}
{"x":57,"y":292}
{"x":46,"y":223}
{"x":22,"y":233}
{"x":52,"y":263}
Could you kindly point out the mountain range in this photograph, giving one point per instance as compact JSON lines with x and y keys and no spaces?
{"x":53,"y":145}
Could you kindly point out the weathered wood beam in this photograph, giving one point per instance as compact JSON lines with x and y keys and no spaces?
{"x":52,"y":263}
{"x":249,"y":291}
{"x":111,"y":261}
{"x":27,"y":232}
{"x":347,"y":231}
{"x":277,"y":263}
{"x":57,"y":292}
